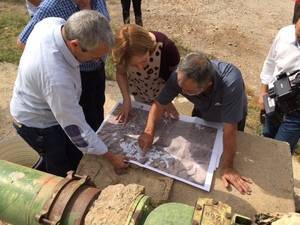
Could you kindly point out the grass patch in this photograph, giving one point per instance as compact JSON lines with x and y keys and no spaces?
{"x":11,"y":24}
{"x":14,"y":1}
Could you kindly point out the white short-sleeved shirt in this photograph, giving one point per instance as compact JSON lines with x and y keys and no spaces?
{"x":48,"y":87}
{"x":284,"y":55}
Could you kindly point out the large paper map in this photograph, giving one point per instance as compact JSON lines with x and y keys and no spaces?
{"x":188,"y":150}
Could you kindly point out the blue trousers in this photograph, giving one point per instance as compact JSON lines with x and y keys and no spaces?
{"x":287,"y":129}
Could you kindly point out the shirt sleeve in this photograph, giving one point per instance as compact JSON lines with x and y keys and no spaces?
{"x":69,"y":115}
{"x":233,"y":100}
{"x":268,"y":69}
{"x":169,"y":91}
{"x":38,"y":16}
{"x":172,"y":55}
{"x":104,"y":10}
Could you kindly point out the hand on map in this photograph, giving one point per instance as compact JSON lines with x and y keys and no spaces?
{"x":123,"y":116}
{"x":118,"y":161}
{"x":231,"y":177}
{"x":171,"y":112}
{"x":145,"y":141}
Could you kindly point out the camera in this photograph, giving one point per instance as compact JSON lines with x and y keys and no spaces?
{"x":284,"y":97}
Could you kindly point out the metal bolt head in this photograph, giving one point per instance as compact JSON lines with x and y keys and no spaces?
{"x":198,"y":207}
{"x":228,"y":215}
{"x":215,"y":202}
{"x":195,"y":223}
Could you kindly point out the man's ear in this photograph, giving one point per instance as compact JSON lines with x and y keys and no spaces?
{"x":74,"y":45}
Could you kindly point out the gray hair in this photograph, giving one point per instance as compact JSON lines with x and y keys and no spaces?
{"x":90,"y":28}
{"x":198,"y":67}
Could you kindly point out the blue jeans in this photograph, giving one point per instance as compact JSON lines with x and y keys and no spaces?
{"x":286,"y":130}
{"x":57,"y":153}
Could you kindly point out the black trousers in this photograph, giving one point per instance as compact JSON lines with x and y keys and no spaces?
{"x":136,"y":8}
{"x":93,"y":96}
{"x":240,"y":125}
{"x":57,"y":153}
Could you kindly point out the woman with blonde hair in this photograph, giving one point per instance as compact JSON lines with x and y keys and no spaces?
{"x":145,"y":60}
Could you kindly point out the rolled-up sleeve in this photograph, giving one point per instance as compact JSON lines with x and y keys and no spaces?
{"x":169,"y":91}
{"x":67,"y":111}
{"x":173,"y":56}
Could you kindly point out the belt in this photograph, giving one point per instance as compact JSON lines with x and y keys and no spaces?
{"x":40,"y":130}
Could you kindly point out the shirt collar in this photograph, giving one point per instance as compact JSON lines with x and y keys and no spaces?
{"x":214,"y":92}
{"x":60,"y":43}
{"x":216,"y":84}
{"x":216,"y":81}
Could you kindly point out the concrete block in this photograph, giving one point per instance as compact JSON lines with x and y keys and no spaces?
{"x":296,"y":174}
{"x":102,"y":173}
{"x":268,"y":163}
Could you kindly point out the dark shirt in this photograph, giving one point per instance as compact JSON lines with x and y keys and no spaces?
{"x":226,"y":102}
{"x":169,"y":55}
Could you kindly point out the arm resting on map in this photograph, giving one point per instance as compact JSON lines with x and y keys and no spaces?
{"x":146,"y":138}
{"x":228,"y":173}
{"x":117,"y":160}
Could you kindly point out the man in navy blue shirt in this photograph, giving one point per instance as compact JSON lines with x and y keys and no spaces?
{"x":217,"y":91}
{"x":93,"y":72}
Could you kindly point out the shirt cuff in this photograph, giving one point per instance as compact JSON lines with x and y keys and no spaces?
{"x":100,"y":149}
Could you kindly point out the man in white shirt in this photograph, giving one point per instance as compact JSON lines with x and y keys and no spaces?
{"x":284,"y":56}
{"x":45,"y":103}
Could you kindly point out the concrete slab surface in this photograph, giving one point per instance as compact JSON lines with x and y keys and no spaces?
{"x":268,"y":163}
{"x":102,"y":173}
{"x":296,"y":174}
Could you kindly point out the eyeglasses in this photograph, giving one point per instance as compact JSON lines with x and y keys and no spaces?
{"x":194,"y":92}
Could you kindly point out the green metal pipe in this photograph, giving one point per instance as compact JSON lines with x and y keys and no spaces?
{"x":23,"y":193}
{"x":31,"y":197}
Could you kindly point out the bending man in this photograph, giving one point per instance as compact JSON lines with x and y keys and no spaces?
{"x":45,"y":103}
{"x":217,"y":91}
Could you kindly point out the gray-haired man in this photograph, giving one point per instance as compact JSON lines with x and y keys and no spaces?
{"x":217,"y":91}
{"x":45,"y":103}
